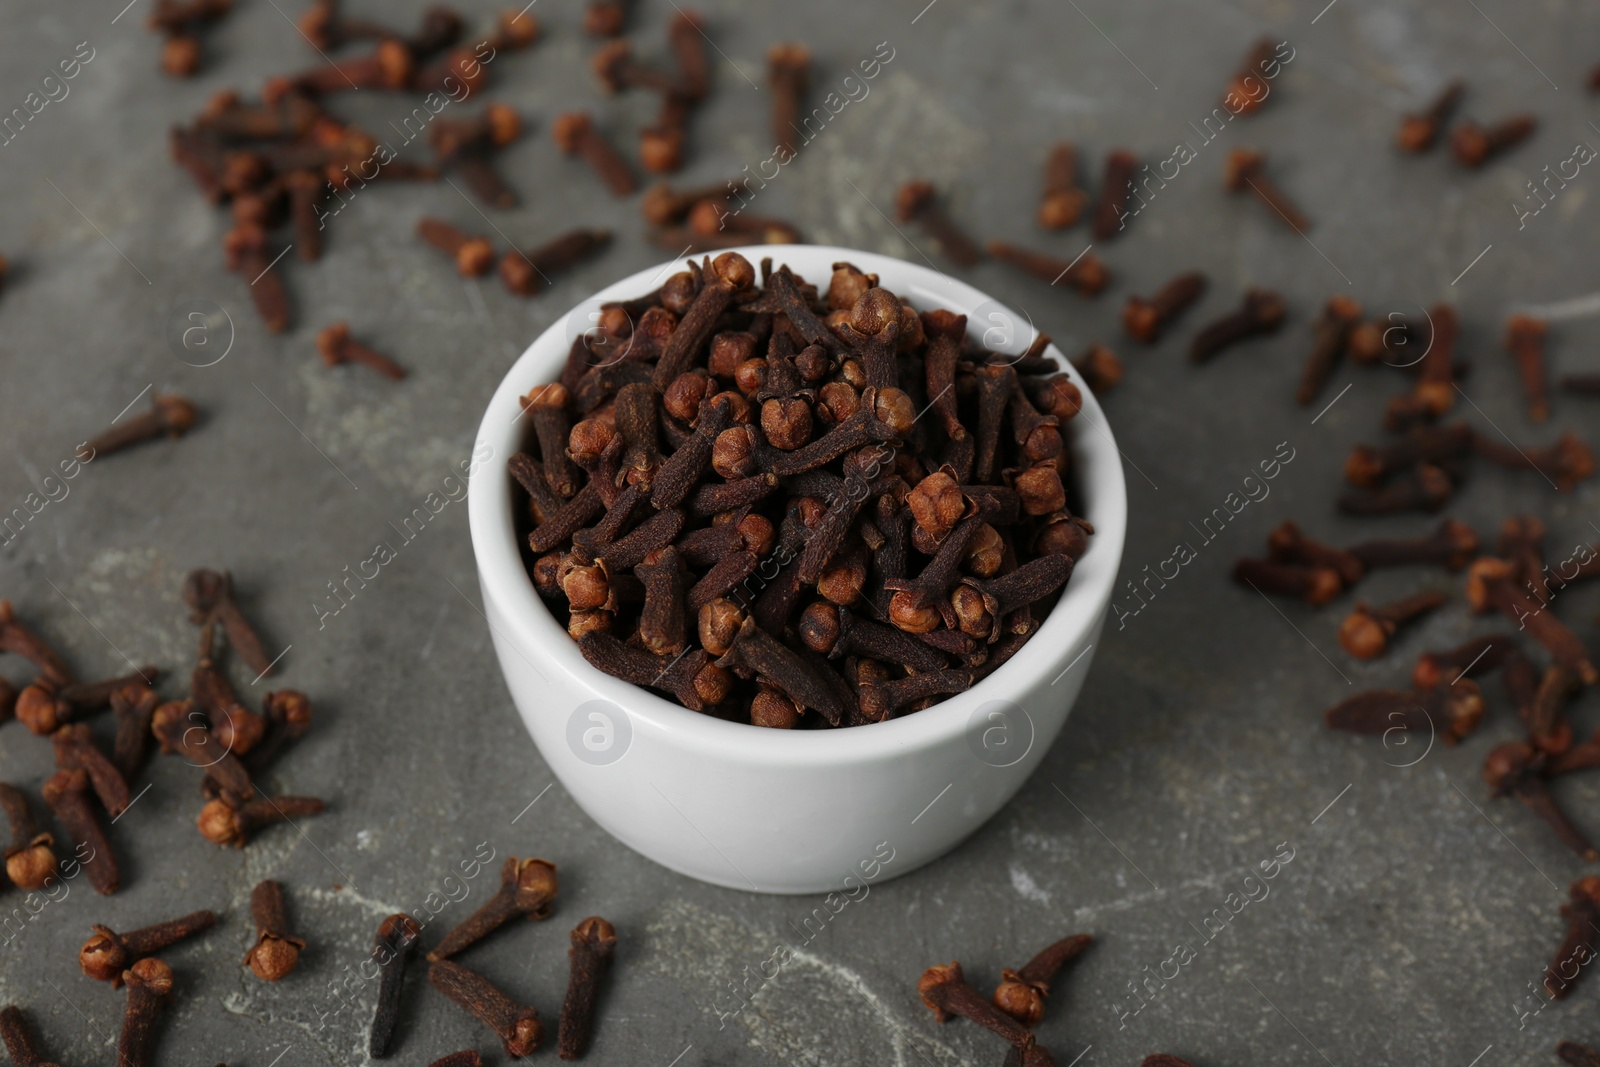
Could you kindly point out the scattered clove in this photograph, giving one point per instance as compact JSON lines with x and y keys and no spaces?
{"x":67,"y":794}
{"x":517,"y":1025}
{"x":392,"y":947}
{"x":1261,"y":313}
{"x":149,"y":984}
{"x":170,"y":416}
{"x":1146,"y":320}
{"x":1515,"y":769}
{"x":1475,"y":145}
{"x":1419,"y":132}
{"x":1062,"y":201}
{"x":1246,"y":170}
{"x":1365,"y":632}
{"x":225,"y":821}
{"x":276,"y":951}
{"x":575,"y":135}
{"x":1456,"y":710}
{"x":594,"y":941}
{"x":336,"y":346}
{"x":1021,"y":993}
{"x":1525,"y":341}
{"x":917,"y":202}
{"x":210,"y":597}
{"x":527,"y":888}
{"x":30,"y":857}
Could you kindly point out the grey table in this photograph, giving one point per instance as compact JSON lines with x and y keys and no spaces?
{"x":1416,"y":914}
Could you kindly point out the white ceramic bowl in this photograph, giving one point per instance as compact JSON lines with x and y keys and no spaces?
{"x":778,"y":811}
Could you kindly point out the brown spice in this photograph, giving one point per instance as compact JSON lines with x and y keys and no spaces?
{"x":276,"y":951}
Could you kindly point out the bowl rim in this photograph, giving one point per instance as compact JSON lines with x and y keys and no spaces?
{"x":503,"y":578}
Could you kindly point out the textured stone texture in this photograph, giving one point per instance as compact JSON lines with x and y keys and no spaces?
{"x":1415,"y":913}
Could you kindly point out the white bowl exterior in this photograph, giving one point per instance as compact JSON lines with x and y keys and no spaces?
{"x":790,"y":811}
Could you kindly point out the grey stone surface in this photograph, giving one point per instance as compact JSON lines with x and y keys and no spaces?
{"x":1416,"y":913}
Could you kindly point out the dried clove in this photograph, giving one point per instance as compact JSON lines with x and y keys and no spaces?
{"x":1365,"y":632}
{"x":20,"y":1040}
{"x":517,"y":1025}
{"x":1582,"y":912}
{"x":1368,"y":466}
{"x":1568,"y":463}
{"x":336,"y":346}
{"x":575,"y":135}
{"x":1475,"y":145}
{"x":210,"y":597}
{"x":43,"y":706}
{"x":1490,"y":585}
{"x":1086,"y":274}
{"x":1514,"y":769}
{"x":1425,"y":488}
{"x":75,"y":749}
{"x":1452,"y":545}
{"x":1472,"y":659}
{"x":67,"y":794}
{"x":169,"y":415}
{"x":1146,"y":320}
{"x":392,"y":947}
{"x":788,"y":78}
{"x":527,"y":888}
{"x":276,"y":952}
{"x":1246,"y":170}
{"x":474,"y":256}
{"x":1331,"y":330}
{"x":1062,"y":201}
{"x":1525,"y":341}
{"x":149,"y":984}
{"x":236,"y":728}
{"x":917,"y":202}
{"x":1021,"y":993}
{"x":181,"y":729}
{"x":1261,"y":313}
{"x":1455,"y":709}
{"x":1111,"y":210}
{"x":224,"y":821}
{"x":525,"y":273}
{"x":1315,"y":584}
{"x":594,"y":941}
{"x":30,"y":857}
{"x":1419,"y":132}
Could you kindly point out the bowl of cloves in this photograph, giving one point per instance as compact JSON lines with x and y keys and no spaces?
{"x":794,"y":558}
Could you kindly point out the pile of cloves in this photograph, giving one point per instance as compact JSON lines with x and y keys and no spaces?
{"x":288,"y":160}
{"x":1422,"y":467}
{"x":94,"y":785}
{"x":730,"y":496}
{"x":1017,"y":1005}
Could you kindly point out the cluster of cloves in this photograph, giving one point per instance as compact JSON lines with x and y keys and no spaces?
{"x":1472,"y":145}
{"x":528,"y":890}
{"x":1444,"y":698}
{"x":730,"y":496}
{"x":89,"y":785}
{"x":661,"y":145}
{"x":1016,"y":1007}
{"x":283,"y":159}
